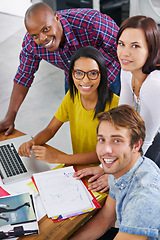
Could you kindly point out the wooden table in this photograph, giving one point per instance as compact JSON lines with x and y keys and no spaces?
{"x":48,"y":230}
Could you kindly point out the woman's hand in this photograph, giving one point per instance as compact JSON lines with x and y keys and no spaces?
{"x":43,"y":153}
{"x":25,"y":149}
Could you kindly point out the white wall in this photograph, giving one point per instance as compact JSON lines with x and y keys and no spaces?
{"x":15,"y":7}
{"x":149,"y":8}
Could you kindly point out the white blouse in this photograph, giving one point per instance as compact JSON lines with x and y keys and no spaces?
{"x":149,"y":102}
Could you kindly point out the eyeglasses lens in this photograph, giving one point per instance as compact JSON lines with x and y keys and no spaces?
{"x":92,"y":75}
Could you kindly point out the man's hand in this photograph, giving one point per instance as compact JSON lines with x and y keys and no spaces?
{"x":99,"y":180}
{"x":8,"y":125}
{"x":101,"y":184}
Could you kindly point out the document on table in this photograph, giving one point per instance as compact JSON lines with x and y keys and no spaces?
{"x":62,"y":195}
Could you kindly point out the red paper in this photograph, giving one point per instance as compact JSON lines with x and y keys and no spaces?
{"x":3,"y":192}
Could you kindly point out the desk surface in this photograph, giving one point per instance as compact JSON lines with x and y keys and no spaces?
{"x":55,"y":231}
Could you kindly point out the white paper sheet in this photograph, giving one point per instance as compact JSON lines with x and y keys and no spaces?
{"x":62,"y":194}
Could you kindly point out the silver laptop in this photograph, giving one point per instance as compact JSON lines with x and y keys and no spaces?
{"x":15,"y":168}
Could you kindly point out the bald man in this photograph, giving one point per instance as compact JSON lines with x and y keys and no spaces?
{"x":54,"y":37}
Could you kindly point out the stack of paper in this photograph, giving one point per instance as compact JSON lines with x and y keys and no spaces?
{"x":17,"y":216}
{"x":62,"y":195}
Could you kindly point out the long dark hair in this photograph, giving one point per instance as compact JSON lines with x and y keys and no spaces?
{"x":104,"y":93}
{"x":150,"y":28}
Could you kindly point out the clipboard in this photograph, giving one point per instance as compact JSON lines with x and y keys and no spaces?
{"x":62,"y":195}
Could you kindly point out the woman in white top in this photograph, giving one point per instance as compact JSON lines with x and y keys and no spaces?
{"x":138,"y":51}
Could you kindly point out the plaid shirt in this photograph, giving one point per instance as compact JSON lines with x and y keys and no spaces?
{"x":81,"y":27}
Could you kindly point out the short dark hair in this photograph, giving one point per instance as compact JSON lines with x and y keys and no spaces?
{"x":104,"y":93}
{"x":35,"y":8}
{"x":127,"y":117}
{"x":150,"y":28}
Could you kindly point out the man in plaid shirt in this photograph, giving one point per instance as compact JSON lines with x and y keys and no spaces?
{"x":54,"y":37}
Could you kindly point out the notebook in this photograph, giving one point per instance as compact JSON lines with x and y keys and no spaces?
{"x":62,"y":195}
{"x":15,"y":168}
{"x":18,"y":216}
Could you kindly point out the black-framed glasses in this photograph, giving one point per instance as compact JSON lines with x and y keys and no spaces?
{"x":92,"y":75}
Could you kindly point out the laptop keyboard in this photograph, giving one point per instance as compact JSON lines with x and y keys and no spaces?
{"x":11,"y":161}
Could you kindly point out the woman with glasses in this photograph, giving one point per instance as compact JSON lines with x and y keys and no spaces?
{"x":88,"y":95}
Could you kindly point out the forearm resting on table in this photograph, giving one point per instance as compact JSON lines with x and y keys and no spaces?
{"x":73,"y":159}
{"x":52,"y":155}
{"x":99,"y":223}
{"x":56,"y":156}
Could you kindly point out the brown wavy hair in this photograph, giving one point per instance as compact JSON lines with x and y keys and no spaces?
{"x":125,"y":116}
{"x":150,"y":28}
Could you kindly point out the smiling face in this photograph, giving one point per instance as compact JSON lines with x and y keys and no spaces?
{"x":114,"y":149}
{"x":45,"y":28}
{"x":132,"y":49}
{"x":86,"y":86}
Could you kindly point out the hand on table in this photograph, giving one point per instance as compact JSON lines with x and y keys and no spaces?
{"x":43,"y":153}
{"x":101,"y":184}
{"x":99,"y":181}
{"x":25,"y":149}
{"x":40,"y":152}
{"x":8,"y":125}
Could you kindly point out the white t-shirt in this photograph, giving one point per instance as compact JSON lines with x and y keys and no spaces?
{"x":149,"y":102}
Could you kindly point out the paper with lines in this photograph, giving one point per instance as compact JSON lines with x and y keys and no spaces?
{"x":62,"y":195}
